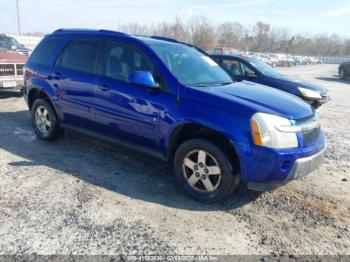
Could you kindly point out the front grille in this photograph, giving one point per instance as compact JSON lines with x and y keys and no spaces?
{"x":311,"y":136}
{"x":7,"y":69}
{"x":19,"y":68}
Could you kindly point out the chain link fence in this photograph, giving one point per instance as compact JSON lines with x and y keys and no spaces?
{"x":333,"y":59}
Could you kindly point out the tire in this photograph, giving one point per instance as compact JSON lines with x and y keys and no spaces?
{"x":342,"y":73}
{"x":222,"y":185}
{"x":44,"y":120}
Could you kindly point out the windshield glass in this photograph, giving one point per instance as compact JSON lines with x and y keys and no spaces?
{"x":264,"y":68}
{"x":190,"y":66}
{"x":12,"y":41}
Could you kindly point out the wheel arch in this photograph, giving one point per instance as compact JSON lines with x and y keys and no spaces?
{"x":35,"y":93}
{"x":188,"y":130}
{"x":41,"y":89}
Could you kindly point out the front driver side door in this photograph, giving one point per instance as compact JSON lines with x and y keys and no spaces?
{"x":125,"y":110}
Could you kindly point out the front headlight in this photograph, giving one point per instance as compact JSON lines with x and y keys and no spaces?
{"x":307,"y":93}
{"x":273,"y":131}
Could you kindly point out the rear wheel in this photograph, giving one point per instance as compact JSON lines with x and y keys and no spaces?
{"x":204,"y":171}
{"x":44,"y":120}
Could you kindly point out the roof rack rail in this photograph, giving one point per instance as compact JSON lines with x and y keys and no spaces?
{"x":164,"y":38}
{"x":112,"y":32}
{"x":77,"y":30}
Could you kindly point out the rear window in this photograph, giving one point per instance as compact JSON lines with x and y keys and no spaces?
{"x":79,"y":55}
{"x":43,"y":50}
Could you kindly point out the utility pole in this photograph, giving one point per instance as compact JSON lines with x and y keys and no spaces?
{"x":18,"y":20}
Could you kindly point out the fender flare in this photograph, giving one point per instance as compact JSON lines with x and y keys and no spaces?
{"x":42,"y":86}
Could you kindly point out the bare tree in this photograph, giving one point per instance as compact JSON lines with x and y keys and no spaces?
{"x":261,"y":35}
{"x":230,"y":34}
{"x":202,"y":33}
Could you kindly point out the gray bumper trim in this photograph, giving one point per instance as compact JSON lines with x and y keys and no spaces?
{"x":302,"y":167}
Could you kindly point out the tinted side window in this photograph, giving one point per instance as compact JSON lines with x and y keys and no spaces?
{"x":79,"y":55}
{"x":42,"y":51}
{"x":235,"y":68}
{"x":248,"y":71}
{"x":121,"y":61}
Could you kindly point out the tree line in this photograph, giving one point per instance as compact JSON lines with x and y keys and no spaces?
{"x":261,"y":37}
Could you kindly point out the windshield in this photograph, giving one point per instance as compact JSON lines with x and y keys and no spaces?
{"x":12,"y":41}
{"x":264,"y":68}
{"x":190,"y":66}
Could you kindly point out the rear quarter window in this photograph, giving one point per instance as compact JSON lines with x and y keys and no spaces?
{"x":80,"y":55}
{"x":43,"y":50}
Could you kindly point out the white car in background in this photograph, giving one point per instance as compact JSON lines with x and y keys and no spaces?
{"x":271,"y":61}
{"x":11,"y":70}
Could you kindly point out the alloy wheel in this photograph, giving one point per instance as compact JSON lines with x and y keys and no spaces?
{"x":202,"y":171}
{"x":42,"y":120}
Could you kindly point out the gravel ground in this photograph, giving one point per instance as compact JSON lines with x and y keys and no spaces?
{"x":81,"y":196}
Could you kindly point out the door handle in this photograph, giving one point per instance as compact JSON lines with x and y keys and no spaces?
{"x":55,"y":76}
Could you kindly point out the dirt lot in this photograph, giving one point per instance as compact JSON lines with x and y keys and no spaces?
{"x":79,"y":196}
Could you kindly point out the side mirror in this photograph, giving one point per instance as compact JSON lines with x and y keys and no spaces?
{"x":143,"y":78}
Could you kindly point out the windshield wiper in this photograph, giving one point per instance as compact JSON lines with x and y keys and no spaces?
{"x":225,"y":83}
{"x":203,"y":84}
{"x":213,"y":84}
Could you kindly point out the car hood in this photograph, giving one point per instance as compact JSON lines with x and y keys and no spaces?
{"x":302,"y":83}
{"x":246,"y":98}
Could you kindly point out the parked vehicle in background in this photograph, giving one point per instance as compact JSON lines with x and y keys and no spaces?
{"x":344,"y":70}
{"x":308,"y":60}
{"x":251,"y":69}
{"x":283,"y":60}
{"x":11,"y":70}
{"x":315,"y":60}
{"x":291,"y":60}
{"x":267,"y":59}
{"x":299,"y":60}
{"x":226,"y":51}
{"x":173,"y":101}
{"x":11,"y":44}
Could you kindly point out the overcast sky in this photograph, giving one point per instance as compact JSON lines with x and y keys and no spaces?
{"x":304,"y":16}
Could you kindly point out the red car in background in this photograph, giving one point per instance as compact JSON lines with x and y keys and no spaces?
{"x":11,"y":70}
{"x":225,"y":51}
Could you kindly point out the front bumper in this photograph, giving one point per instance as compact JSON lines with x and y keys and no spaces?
{"x":17,"y":83}
{"x":301,"y":168}
{"x":264,"y":168}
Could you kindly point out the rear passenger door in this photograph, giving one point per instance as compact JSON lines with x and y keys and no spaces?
{"x":127,"y":111}
{"x":74,"y":80}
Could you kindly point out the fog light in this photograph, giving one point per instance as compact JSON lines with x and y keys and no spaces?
{"x":286,"y":165}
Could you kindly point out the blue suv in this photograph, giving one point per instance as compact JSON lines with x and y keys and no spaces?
{"x":171,"y":100}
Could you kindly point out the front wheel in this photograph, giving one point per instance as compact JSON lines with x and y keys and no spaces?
{"x":204,"y":171}
{"x":44,"y":120}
